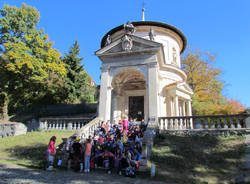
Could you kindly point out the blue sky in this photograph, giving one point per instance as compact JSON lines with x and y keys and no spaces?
{"x":221,"y":27}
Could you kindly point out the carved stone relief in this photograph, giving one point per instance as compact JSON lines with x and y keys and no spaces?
{"x":127,"y":43}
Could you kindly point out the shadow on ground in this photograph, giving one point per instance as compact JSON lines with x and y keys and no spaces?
{"x":34,"y":154}
{"x":197,"y":159}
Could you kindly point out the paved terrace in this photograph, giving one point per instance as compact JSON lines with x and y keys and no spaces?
{"x":13,"y":174}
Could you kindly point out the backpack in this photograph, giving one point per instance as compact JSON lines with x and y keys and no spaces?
{"x":130,"y":172}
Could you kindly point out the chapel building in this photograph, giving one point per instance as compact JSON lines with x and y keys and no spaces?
{"x":141,"y":73}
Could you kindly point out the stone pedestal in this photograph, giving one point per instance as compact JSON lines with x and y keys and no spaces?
{"x":197,"y":123}
{"x":248,"y":122}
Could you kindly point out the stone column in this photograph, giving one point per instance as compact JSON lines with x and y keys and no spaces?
{"x":176,"y":102}
{"x":184,"y":108}
{"x":189,"y":109}
{"x":152,"y":91}
{"x":112,"y":106}
{"x":180,"y":108}
{"x":162,"y":106}
{"x":105,"y":95}
{"x":171,"y":106}
{"x":116,"y":107}
{"x":189,"y":113}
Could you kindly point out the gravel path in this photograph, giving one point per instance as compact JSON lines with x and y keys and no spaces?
{"x":13,"y":174}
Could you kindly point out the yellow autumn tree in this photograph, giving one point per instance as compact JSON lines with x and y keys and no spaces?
{"x":205,"y":80}
{"x":30,"y":68}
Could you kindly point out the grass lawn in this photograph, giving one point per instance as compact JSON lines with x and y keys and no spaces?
{"x":178,"y":159}
{"x":29,"y":149}
{"x":197,"y":159}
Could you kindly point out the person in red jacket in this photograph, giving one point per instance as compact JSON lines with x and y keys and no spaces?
{"x":51,"y":151}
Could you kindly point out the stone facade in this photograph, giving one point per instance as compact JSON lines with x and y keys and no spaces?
{"x":141,"y":73}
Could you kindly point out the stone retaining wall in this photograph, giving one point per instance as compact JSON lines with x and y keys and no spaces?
{"x":12,"y":129}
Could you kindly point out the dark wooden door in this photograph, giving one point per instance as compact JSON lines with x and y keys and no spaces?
{"x":136,"y":107}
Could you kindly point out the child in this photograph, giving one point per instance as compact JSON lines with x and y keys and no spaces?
{"x":51,"y":151}
{"x":107,"y":158}
{"x":77,"y":153}
{"x":119,"y":161}
{"x":120,"y":144}
{"x":87,"y":155}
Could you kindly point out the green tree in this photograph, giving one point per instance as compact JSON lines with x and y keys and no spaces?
{"x":78,"y":81}
{"x":30,"y":68}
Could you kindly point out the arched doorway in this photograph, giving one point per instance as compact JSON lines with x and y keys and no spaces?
{"x":128,"y":95}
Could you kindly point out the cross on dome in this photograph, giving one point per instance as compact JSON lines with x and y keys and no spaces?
{"x":143,"y":10}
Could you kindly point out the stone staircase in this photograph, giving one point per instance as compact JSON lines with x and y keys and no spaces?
{"x":88,"y":129}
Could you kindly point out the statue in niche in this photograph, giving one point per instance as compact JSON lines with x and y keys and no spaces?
{"x":129,"y":28}
{"x":174,"y":56}
{"x":108,"y":40}
{"x":127,"y":43}
{"x":151,"y":34}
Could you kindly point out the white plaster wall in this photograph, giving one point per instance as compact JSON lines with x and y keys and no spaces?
{"x":168,"y":43}
{"x":168,"y":77}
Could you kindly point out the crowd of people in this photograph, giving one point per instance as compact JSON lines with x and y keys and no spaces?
{"x":115,"y":146}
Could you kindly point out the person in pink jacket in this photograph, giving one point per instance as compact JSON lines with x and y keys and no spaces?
{"x":125,"y":126}
{"x":51,"y":151}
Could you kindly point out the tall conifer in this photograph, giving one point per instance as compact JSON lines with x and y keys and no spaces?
{"x":78,"y":81}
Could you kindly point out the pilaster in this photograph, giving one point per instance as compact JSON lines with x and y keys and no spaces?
{"x":105,"y":95}
{"x":152,"y":91}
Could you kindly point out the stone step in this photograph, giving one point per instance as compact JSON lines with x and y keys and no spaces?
{"x":143,"y":165}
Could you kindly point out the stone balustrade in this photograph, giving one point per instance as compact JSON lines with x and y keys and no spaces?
{"x":63,"y":123}
{"x":237,"y":121}
{"x":89,"y":129}
{"x":83,"y":133}
{"x":175,"y":123}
